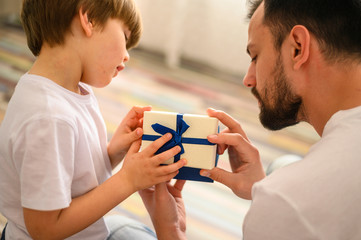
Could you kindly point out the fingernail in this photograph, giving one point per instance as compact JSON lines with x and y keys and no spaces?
{"x":184,"y":161}
{"x":205,"y":173}
{"x":168,"y":135}
{"x":139,"y":131}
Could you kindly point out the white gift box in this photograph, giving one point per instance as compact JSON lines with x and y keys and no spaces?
{"x":199,"y":153}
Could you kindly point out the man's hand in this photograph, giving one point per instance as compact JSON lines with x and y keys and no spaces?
{"x":243,"y":156}
{"x":165,"y":206}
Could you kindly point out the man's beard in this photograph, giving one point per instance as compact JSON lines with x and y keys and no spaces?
{"x":286,"y":105}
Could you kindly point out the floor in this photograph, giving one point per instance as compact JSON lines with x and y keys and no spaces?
{"x":213,"y":211}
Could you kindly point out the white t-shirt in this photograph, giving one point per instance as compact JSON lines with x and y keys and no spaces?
{"x":53,"y":147}
{"x":318,"y":197}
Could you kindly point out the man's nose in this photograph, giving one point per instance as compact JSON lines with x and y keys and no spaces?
{"x":249,"y":79}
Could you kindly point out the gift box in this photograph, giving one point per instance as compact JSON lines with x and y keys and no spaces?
{"x":190,"y":132}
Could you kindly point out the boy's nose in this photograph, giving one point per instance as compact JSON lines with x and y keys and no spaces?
{"x":126,"y":57}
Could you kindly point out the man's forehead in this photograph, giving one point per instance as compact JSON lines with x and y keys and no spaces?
{"x":257,"y":17}
{"x":256,"y":22}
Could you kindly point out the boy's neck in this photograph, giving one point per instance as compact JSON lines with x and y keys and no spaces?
{"x":60,"y":66}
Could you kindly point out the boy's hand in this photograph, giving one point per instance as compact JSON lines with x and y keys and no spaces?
{"x":143,"y":169}
{"x":166,"y":208}
{"x":243,"y":156}
{"x":128,"y":131}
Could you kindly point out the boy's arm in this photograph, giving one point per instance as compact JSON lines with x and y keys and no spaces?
{"x":82,"y":212}
{"x":140,"y":170}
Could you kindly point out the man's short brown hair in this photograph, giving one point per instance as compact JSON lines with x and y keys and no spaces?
{"x":50,"y":20}
{"x":335,"y":24}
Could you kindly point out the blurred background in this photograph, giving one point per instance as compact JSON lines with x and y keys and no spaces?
{"x":192,"y":56}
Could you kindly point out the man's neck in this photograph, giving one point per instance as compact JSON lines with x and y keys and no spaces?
{"x":335,"y":88}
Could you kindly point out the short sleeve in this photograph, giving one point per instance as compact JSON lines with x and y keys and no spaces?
{"x":44,"y":158}
{"x":274,"y":217}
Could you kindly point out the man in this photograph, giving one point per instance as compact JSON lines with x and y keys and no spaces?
{"x":306,"y":66}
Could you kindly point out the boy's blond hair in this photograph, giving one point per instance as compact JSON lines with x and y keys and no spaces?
{"x":49,"y":20}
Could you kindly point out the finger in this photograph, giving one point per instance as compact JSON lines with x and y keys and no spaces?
{"x":155,"y":145}
{"x":176,"y":190}
{"x":227,"y":120}
{"x":134,"y":148}
{"x":166,"y":155}
{"x":170,"y":168}
{"x":167,"y":177}
{"x":137,"y":112}
{"x":179,"y":184}
{"x":160,"y":190}
{"x":130,"y":137}
{"x":219,"y":175}
{"x":133,"y":117}
{"x":221,"y":148}
{"x":230,"y":139}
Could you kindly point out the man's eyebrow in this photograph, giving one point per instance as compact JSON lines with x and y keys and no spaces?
{"x":249,"y":46}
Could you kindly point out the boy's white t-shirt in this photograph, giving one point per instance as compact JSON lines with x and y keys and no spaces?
{"x":317,"y":198}
{"x":53,"y":147}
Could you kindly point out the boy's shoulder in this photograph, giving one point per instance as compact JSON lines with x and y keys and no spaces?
{"x":37,"y":98}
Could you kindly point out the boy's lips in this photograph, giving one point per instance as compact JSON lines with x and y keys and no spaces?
{"x":120,"y":68}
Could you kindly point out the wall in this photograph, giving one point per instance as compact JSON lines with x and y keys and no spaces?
{"x":10,"y":7}
{"x":213,"y":32}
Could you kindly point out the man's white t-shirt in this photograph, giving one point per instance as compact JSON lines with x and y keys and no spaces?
{"x":53,"y":147}
{"x":318,"y":197}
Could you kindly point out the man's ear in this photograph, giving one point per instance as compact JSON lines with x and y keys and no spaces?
{"x":86,"y":23}
{"x":300,"y":46}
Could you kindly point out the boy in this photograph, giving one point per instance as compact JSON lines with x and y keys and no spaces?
{"x":55,"y":175}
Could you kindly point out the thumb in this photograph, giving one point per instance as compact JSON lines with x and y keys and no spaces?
{"x":218,"y":175}
{"x":131,"y":137}
{"x":134,"y":148}
{"x":135,"y":135}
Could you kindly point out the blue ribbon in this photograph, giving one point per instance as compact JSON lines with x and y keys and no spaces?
{"x":177,"y":138}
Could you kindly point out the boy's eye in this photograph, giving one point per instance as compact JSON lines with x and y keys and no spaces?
{"x":126,"y":38}
{"x":254,"y":59}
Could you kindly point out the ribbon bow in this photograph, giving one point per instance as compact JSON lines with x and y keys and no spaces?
{"x":182,"y":126}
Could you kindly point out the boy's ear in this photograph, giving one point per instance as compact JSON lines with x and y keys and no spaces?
{"x":86,"y":23}
{"x":300,"y":46}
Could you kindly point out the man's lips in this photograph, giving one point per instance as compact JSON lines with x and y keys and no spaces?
{"x":257,"y":96}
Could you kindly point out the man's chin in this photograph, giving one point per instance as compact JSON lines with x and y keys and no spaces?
{"x":276,"y":125}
